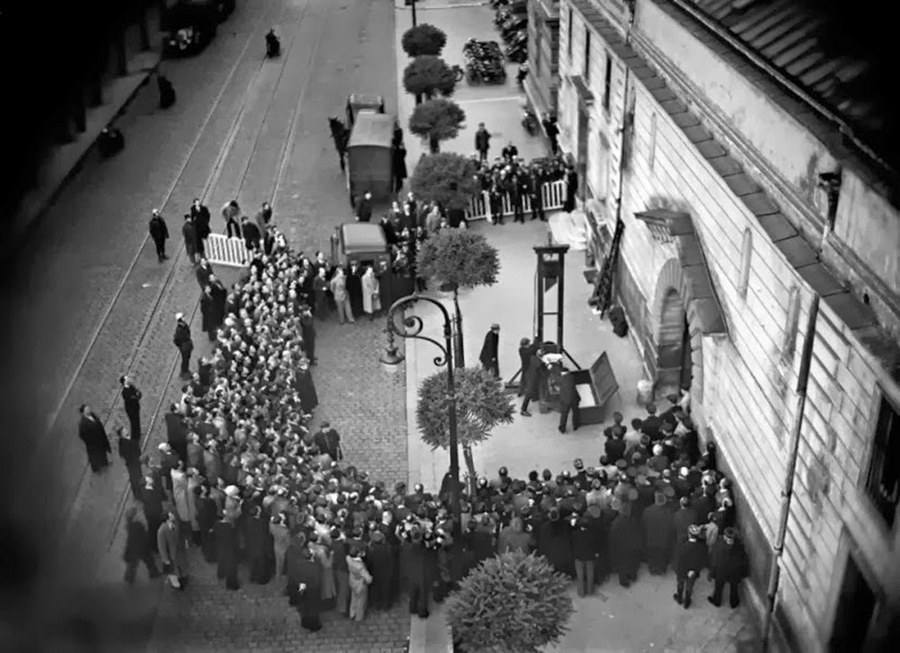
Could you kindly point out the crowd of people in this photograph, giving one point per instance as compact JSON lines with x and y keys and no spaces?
{"x":510,"y":175}
{"x":246,"y":477}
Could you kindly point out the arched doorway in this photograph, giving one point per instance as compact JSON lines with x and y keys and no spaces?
{"x":679,"y":354}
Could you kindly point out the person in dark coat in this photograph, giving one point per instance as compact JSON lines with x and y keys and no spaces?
{"x":204,"y":273}
{"x":571,"y":189}
{"x":304,"y":385}
{"x":693,"y":556}
{"x":489,"y":351}
{"x":659,"y":534}
{"x":308,"y":332}
{"x":207,"y":313}
{"x":200,"y":216}
{"x":130,"y":452}
{"x":309,"y":588}
{"x":625,"y":545}
{"x":206,"y":523}
{"x":554,"y":542}
{"x":251,"y":233}
{"x":390,"y":232}
{"x":364,"y":208}
{"x":152,"y":498}
{"x":257,"y":529}
{"x":131,"y":399}
{"x":418,"y":574}
{"x":159,"y":233}
{"x":536,"y":193}
{"x":320,"y":293}
{"x":584,"y":551}
{"x":380,"y":560}
{"x":189,"y":233}
{"x":729,"y":565}
{"x":227,"y":553}
{"x":526,"y":351}
{"x":292,"y":559}
{"x":354,"y":288}
{"x":482,"y":142}
{"x":96,"y":443}
{"x":568,"y":401}
{"x":137,"y":547}
{"x":176,"y":431}
{"x":220,"y":298}
{"x":478,"y":543}
{"x":399,"y":160}
{"x":533,"y":377}
{"x":166,"y":92}
{"x":184,"y":343}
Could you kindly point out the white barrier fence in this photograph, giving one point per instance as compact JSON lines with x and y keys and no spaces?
{"x":554,"y":195}
{"x":223,"y":250}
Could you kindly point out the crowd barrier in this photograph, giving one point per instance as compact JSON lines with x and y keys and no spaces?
{"x":554,"y":193}
{"x":223,"y":250}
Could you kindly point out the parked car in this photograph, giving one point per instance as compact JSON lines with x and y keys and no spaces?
{"x":190,"y":26}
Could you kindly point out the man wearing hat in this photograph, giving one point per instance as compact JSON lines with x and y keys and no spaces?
{"x":137,"y":547}
{"x":526,"y":351}
{"x":184,"y":343}
{"x":729,"y":566}
{"x":692,"y":558}
{"x":131,"y":399}
{"x":659,"y":533}
{"x":489,"y":351}
{"x":381,"y":563}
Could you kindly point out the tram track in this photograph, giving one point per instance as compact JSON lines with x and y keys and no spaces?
{"x":283,"y":164}
{"x":254,"y":37}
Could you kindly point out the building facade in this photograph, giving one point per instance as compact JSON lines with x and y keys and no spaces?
{"x":542,"y":82}
{"x":759,"y":268}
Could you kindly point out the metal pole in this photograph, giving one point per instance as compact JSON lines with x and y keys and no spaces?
{"x":788,"y":490}
{"x":560,"y":300}
{"x":454,"y":444}
{"x":414,"y":13}
{"x":460,"y":357}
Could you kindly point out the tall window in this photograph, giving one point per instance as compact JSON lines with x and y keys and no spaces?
{"x":883,"y":481}
{"x":746,"y":256}
{"x":652,"y":155}
{"x":789,"y":346}
{"x":538,"y":47}
{"x":569,"y":36}
{"x":607,"y":82}
{"x":587,"y":55}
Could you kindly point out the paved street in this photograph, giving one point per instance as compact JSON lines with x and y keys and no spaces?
{"x":91,"y":302}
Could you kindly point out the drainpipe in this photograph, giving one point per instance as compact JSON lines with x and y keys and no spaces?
{"x":788,"y":490}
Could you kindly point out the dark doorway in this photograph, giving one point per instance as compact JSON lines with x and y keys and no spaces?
{"x":687,"y":364}
{"x":856,"y":604}
{"x":583,"y":150}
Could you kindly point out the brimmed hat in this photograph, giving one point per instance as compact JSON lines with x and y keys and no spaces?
{"x":233,"y":491}
{"x":694,"y":530}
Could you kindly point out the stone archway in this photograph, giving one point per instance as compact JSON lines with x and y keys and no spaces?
{"x":678,"y":335}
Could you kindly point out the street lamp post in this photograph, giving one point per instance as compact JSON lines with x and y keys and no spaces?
{"x":412,"y":5}
{"x":410,"y":326}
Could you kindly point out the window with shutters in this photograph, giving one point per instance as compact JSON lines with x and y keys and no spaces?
{"x":651,"y":157}
{"x":569,"y":36}
{"x":746,"y":256}
{"x":883,"y":479}
{"x":607,"y":83}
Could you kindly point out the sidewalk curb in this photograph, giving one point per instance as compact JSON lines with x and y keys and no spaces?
{"x":27,"y":217}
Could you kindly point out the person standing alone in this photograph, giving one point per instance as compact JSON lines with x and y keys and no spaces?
{"x":488,"y":356}
{"x":159,"y":233}
{"x":92,"y":433}
{"x":185,"y":344}
{"x":131,"y":398}
{"x":482,"y":142}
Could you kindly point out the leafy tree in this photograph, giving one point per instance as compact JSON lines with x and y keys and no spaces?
{"x":423,"y":39}
{"x":447,"y":178}
{"x":460,"y":258}
{"x":437,"y":120}
{"x":481,"y":404}
{"x":427,"y":75}
{"x":513,"y":603}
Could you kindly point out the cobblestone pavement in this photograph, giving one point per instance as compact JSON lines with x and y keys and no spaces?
{"x":242,"y":127}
